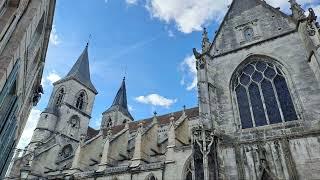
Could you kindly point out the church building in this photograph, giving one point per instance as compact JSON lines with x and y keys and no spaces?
{"x":258,"y":115}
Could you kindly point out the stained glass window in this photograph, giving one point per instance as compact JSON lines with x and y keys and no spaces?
{"x":263,"y":96}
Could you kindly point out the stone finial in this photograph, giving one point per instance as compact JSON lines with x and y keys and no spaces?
{"x":205,"y":41}
{"x":82,"y":138}
{"x":172,"y":120}
{"x":155,"y":120}
{"x":126,"y":126}
{"x":140,"y":129}
{"x":184,"y":110}
{"x":297,"y":11}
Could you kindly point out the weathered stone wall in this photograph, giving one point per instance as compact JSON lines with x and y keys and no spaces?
{"x":25,"y":28}
{"x":290,"y":148}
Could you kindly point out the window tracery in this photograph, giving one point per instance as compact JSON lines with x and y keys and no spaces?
{"x":188,"y":172}
{"x":60,"y":97}
{"x":109,"y":123}
{"x":262,"y":95}
{"x":81,"y":100}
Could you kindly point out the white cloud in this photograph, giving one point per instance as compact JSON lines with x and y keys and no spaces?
{"x":53,"y":77}
{"x":131,"y":2}
{"x":29,"y":128}
{"x":170,"y":33}
{"x":188,"y":15}
{"x":192,"y":15}
{"x":96,"y":122}
{"x":189,"y":70}
{"x":317,"y":10}
{"x":156,"y":100}
{"x":130,"y":108}
{"x":54,"y":37}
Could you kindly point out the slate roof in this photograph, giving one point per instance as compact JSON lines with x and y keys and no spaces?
{"x":162,"y":120}
{"x":91,"y":133}
{"x":120,"y":101}
{"x":81,"y":72}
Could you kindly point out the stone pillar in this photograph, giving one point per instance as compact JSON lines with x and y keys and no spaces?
{"x":203,"y":93}
{"x":171,"y":141}
{"x":105,"y":152}
{"x":137,"y":156}
{"x":77,"y":156}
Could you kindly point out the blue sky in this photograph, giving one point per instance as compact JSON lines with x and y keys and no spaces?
{"x":148,"y":41}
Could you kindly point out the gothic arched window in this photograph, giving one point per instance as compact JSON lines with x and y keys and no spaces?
{"x":262,"y":95}
{"x":109,"y":123}
{"x":81,"y":100}
{"x":59,"y":97}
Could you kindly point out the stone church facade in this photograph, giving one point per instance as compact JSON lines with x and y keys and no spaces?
{"x":25,"y":27}
{"x":258,"y":114}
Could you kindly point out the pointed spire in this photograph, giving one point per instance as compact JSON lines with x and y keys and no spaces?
{"x":120,"y":101}
{"x":121,"y":97}
{"x":81,"y":72}
{"x":155,"y":119}
{"x":297,"y":11}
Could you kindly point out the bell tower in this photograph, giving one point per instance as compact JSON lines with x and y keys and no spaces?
{"x":118,"y":113}
{"x":69,"y":109}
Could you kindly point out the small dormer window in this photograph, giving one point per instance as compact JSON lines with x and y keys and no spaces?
{"x":248,"y":34}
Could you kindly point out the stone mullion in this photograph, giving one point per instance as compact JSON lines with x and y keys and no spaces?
{"x":263,"y":103}
{"x":237,"y":107}
{"x":250,"y":105}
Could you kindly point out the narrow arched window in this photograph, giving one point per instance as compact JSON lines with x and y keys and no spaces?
{"x":262,"y":95}
{"x":109,"y":123}
{"x":81,"y":100}
{"x":248,"y":34}
{"x":59,"y":97}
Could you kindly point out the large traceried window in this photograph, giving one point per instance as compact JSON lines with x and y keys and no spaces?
{"x":262,"y":95}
